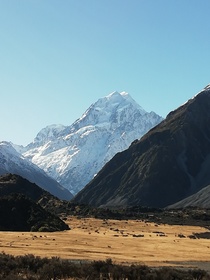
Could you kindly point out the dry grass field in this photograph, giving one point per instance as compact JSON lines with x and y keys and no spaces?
{"x":123,"y":241}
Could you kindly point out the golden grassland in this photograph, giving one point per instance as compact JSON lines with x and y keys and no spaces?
{"x":126,"y":242}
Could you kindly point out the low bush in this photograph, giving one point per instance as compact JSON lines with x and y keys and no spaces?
{"x":30,"y":267}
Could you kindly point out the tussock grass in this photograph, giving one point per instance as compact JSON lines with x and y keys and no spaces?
{"x":125,"y":242}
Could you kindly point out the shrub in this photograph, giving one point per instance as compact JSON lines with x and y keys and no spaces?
{"x":29,"y":267}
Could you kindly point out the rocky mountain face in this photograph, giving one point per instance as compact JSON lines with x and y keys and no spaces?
{"x":74,"y":154}
{"x":166,"y":165}
{"x":13,"y":162}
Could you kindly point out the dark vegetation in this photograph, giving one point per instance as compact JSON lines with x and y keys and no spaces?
{"x":12,"y":183}
{"x":186,"y":216}
{"x":22,"y":206}
{"x":18,"y":213}
{"x":36,"y":268}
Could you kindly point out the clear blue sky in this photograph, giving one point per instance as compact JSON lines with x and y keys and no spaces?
{"x":59,"y":56}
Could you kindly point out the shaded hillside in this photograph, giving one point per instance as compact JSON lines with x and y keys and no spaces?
{"x":12,"y":183}
{"x":22,"y":203}
{"x":19,"y":213}
{"x":166,"y":165}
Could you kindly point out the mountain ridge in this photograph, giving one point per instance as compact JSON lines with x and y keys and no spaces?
{"x":13,"y":162}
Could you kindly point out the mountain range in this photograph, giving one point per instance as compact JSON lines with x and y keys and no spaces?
{"x":168,"y":164}
{"x":74,"y":154}
{"x":123,"y":155}
{"x":13,"y":162}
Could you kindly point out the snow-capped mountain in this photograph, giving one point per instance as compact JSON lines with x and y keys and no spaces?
{"x":13,"y":162}
{"x":74,"y":154}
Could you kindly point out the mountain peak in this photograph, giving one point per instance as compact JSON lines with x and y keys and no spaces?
{"x":7,"y":148}
{"x":102,"y":110}
{"x":75,"y":154}
{"x":49,"y":132}
{"x":207,"y":87}
{"x":114,"y":101}
{"x":114,"y":93}
{"x":114,"y":97}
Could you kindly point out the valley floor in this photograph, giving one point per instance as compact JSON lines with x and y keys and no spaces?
{"x":125,"y":242}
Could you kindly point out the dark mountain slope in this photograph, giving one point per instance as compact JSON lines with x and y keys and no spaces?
{"x":12,"y":183}
{"x":18,"y":213}
{"x":22,"y":206}
{"x":166,"y":165}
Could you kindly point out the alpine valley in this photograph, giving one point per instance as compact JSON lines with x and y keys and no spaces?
{"x":74,"y":154}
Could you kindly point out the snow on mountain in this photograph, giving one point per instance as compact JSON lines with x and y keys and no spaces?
{"x":13,"y":162}
{"x":72,"y":155}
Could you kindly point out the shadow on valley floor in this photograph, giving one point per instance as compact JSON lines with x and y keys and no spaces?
{"x":186,"y":216}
